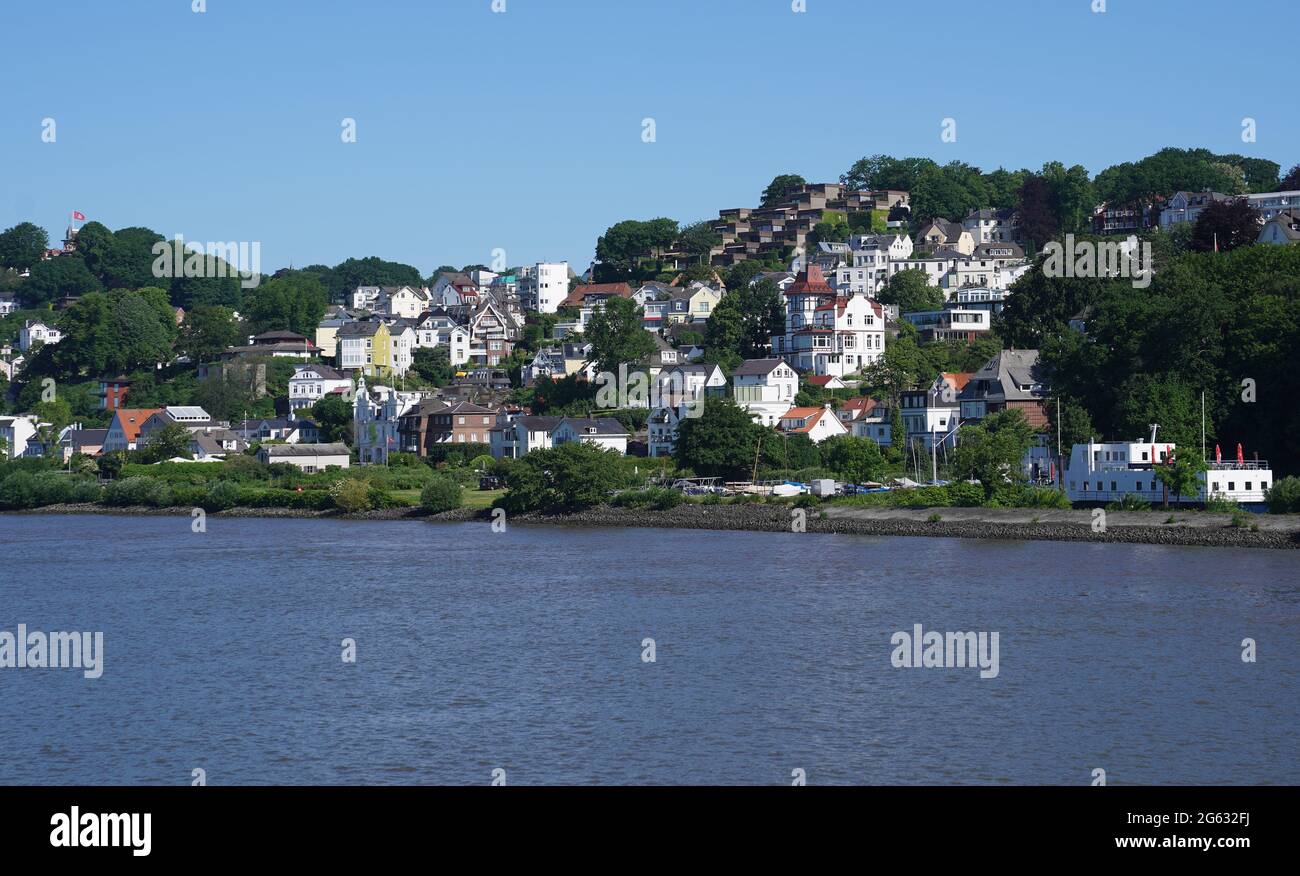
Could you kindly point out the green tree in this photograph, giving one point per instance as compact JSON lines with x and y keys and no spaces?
{"x":912,"y":292}
{"x":616,"y":336}
{"x":781,"y":187}
{"x":55,"y":278}
{"x":571,"y":476}
{"x":857,"y":460}
{"x":991,"y":451}
{"x":208,"y":330}
{"x":1181,"y":475}
{"x":721,"y":442}
{"x":22,"y":246}
{"x":293,"y":303}
{"x":333,"y":415}
{"x":169,"y":442}
{"x":441,"y":494}
{"x":433,"y":365}
{"x":1225,"y":225}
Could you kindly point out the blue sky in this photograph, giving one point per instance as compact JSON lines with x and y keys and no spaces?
{"x":478,"y":130}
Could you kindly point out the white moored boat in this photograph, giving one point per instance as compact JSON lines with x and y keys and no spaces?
{"x":1109,"y":471}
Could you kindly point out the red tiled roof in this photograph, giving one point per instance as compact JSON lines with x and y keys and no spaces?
{"x":958,"y":379}
{"x":810,"y":281}
{"x":622,"y":290}
{"x":131,"y":419}
{"x":810,"y":417}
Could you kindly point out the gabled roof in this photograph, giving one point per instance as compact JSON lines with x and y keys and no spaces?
{"x":325,"y":371}
{"x":603,"y":425}
{"x":758,"y":367}
{"x":810,"y":416}
{"x":131,"y":419}
{"x":859,"y":406}
{"x":600,"y":290}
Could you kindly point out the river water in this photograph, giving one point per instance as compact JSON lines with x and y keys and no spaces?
{"x":525,"y":651}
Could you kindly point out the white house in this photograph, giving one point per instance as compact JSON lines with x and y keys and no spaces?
{"x":817,"y":423}
{"x":544,"y":286}
{"x":932,"y":415}
{"x":827,"y":333}
{"x":766,"y":388}
{"x":679,"y":392}
{"x":603,"y":432}
{"x":36,"y":332}
{"x":366,"y":297}
{"x":308,"y":457}
{"x":1283,"y":228}
{"x":15,"y":434}
{"x":992,"y":226}
{"x":516,"y":435}
{"x":407,"y":302}
{"x":311,"y":383}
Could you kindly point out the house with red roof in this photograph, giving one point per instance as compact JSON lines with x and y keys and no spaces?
{"x":124,"y":430}
{"x":827,"y":333}
{"x":817,"y":423}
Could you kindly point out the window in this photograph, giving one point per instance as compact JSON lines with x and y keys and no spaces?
{"x":1232,"y":485}
{"x":1248,"y":486}
{"x":1114,"y":487}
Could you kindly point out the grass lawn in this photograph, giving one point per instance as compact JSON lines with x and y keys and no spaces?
{"x":479,"y":498}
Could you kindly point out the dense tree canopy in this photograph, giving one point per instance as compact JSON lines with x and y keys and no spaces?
{"x":292,"y":301}
{"x":912,"y":292}
{"x":22,"y":246}
{"x":616,"y":335}
{"x":1225,"y":323}
{"x":781,"y":187}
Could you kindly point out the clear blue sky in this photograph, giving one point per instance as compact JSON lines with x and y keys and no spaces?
{"x":522,"y":130}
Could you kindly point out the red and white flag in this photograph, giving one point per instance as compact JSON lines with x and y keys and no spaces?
{"x":80,"y":217}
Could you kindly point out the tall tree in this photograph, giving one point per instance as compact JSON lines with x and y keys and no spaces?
{"x":781,"y":187}
{"x":22,"y":246}
{"x":1038,"y":219}
{"x":1226,"y":225}
{"x":911,"y":291}
{"x":54,"y":278}
{"x":616,"y":335}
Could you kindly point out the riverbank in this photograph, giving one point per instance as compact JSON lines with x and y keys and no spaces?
{"x":1183,"y":528}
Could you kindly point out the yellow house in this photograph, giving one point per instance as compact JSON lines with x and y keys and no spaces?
{"x":693,"y":304}
{"x":366,"y":346}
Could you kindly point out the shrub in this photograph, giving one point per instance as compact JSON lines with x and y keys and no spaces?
{"x":18,"y":490}
{"x":440,"y":494}
{"x":138,"y":491}
{"x":1221,"y":505}
{"x":965,"y":494}
{"x":352,"y":495}
{"x":1284,"y":496}
{"x":1130,"y":502}
{"x":221,"y":496}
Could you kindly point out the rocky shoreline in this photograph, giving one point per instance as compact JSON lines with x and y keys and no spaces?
{"x":1187,"y":529}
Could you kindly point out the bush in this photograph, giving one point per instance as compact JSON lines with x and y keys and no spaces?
{"x":18,"y":490}
{"x":440,"y":494}
{"x":1221,"y":505}
{"x":221,"y":495}
{"x":1130,"y":502}
{"x":1284,"y":496}
{"x":138,"y":491}
{"x":352,"y":495}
